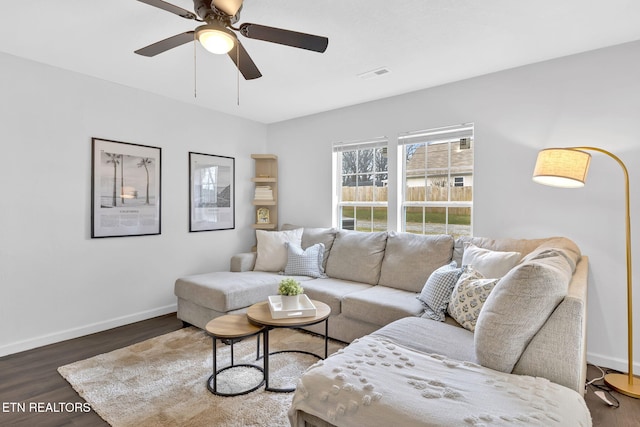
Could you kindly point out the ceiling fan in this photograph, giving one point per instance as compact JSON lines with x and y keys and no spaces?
{"x":216,"y":34}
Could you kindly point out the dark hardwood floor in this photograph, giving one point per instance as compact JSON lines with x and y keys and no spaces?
{"x":31,"y":376}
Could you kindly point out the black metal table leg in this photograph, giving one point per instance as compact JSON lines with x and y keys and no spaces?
{"x":212,"y":383}
{"x":265,"y":339}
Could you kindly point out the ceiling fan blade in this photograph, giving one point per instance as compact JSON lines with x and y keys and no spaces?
{"x":243,"y":61}
{"x":285,"y":37}
{"x":170,"y":8}
{"x":166,"y":44}
{"x":230,"y":7}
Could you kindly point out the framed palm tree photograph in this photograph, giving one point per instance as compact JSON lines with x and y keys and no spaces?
{"x":211,"y":192}
{"x":125,"y":189}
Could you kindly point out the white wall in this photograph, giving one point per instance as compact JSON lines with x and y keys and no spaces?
{"x":56,"y":282}
{"x":587,"y":99}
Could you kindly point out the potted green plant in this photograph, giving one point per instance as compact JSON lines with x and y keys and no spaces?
{"x":290,"y":290}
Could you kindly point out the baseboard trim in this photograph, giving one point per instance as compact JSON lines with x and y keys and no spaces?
{"x":80,"y":331}
{"x":616,"y":363}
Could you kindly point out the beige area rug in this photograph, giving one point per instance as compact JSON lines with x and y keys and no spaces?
{"x":163,"y":381}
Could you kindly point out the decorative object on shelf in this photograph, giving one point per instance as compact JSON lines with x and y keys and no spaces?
{"x":290,"y":289}
{"x":211,"y":192}
{"x":263,"y":216}
{"x":125,"y":189}
{"x":568,"y":167}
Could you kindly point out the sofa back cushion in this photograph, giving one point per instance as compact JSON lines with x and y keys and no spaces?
{"x":519,"y":306}
{"x":409,"y":259}
{"x":314,"y":235}
{"x":357,"y":256}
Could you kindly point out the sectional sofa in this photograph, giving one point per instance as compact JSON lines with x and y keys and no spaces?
{"x":525,"y":315}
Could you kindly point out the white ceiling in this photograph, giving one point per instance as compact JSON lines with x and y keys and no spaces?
{"x":423,"y":43}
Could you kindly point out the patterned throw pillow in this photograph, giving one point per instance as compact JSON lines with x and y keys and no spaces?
{"x":437,"y":290}
{"x":304,"y":262}
{"x":469,"y":296}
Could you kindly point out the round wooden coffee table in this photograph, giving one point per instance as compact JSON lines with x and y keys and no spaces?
{"x":260,"y":315}
{"x":232,"y":327}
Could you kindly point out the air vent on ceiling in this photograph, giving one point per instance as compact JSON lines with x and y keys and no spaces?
{"x":374,"y":73}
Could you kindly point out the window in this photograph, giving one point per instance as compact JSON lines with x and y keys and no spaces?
{"x":437,"y":180}
{"x":361,"y":185}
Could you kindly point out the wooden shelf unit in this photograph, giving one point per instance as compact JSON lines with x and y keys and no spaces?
{"x":266,"y":174}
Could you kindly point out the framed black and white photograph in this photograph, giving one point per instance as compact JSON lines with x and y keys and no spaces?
{"x":125,"y":189}
{"x":211,"y":192}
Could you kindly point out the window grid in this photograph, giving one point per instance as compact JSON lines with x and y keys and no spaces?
{"x":362,"y":186}
{"x":428,"y":166}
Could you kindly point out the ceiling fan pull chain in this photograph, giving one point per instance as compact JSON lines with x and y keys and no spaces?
{"x":195,"y":71}
{"x":238,"y":76}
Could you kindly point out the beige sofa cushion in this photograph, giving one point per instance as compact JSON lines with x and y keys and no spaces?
{"x":225,"y":291}
{"x":518,"y":306}
{"x":431,"y":337}
{"x":381,"y":305}
{"x":332,"y":291}
{"x":409,"y":259}
{"x":314,"y":235}
{"x":357,"y":256}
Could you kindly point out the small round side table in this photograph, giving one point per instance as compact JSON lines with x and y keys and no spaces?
{"x":232,"y":327}
{"x":259,"y":314}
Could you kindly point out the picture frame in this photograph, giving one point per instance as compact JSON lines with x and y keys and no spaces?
{"x":125,"y":189}
{"x":211,"y":192}
{"x":262,"y":216}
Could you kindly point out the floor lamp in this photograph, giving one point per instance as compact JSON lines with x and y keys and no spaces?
{"x":567,"y":167}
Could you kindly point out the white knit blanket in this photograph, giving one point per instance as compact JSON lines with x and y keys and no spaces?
{"x":376,"y":382}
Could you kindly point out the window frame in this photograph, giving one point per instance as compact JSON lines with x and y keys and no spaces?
{"x":338,"y":176}
{"x":446,"y":135}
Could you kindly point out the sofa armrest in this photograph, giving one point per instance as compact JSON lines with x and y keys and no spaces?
{"x":243,"y":262}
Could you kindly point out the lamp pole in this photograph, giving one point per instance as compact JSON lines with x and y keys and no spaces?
{"x":625,"y":384}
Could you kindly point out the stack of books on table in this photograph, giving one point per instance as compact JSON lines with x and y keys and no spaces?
{"x":263,"y":192}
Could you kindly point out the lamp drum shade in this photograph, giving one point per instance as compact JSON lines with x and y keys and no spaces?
{"x":562,"y":167}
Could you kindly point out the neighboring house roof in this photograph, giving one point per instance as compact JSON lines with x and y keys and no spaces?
{"x":438,"y":159}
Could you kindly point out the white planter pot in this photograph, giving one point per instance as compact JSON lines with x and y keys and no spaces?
{"x":290,"y":302}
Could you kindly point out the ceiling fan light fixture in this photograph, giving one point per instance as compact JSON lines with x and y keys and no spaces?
{"x":215,"y":38}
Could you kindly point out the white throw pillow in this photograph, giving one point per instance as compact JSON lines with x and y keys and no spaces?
{"x":304,"y":262}
{"x":272,"y":254}
{"x":468,"y":297}
{"x":437,"y":290}
{"x":491,"y":264}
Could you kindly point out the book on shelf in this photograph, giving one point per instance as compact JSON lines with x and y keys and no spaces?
{"x":263,"y":193}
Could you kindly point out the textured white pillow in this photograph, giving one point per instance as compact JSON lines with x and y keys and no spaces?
{"x":491,"y":264}
{"x":272,"y":253}
{"x":468,"y":297}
